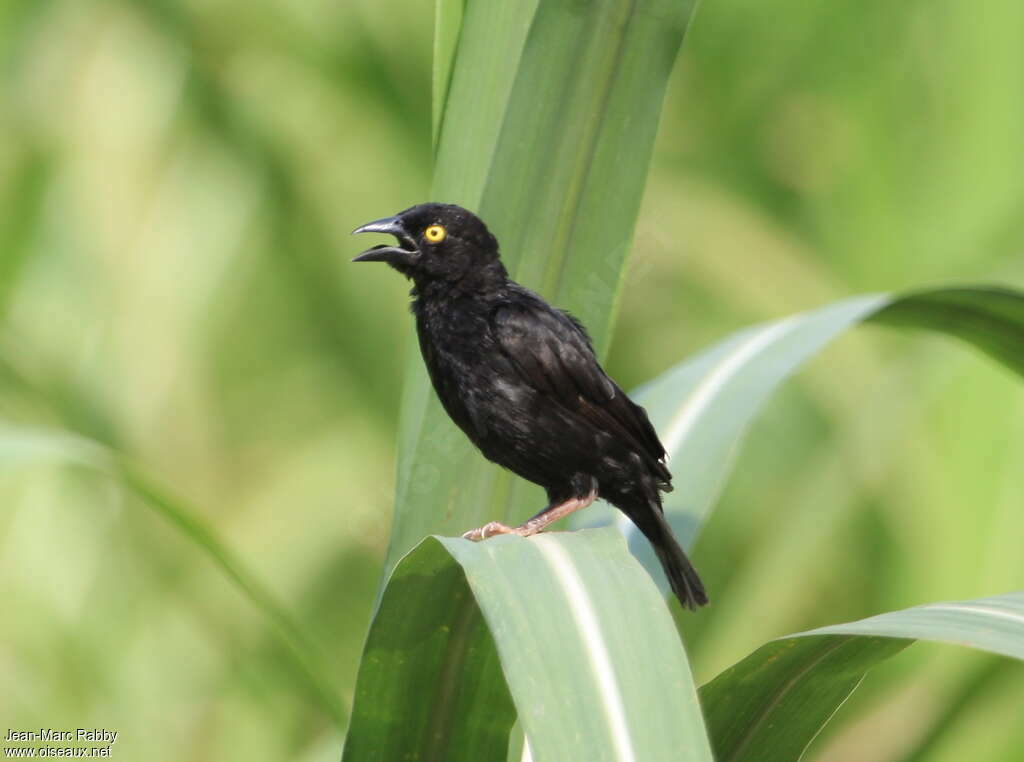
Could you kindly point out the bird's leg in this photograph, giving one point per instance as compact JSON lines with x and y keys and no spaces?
{"x":535,"y":524}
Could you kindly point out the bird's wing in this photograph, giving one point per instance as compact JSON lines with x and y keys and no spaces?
{"x":552,"y":353}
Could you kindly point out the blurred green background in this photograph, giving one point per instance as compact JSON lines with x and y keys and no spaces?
{"x":177,"y":184}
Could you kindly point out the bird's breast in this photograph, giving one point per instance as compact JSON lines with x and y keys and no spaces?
{"x":460,"y":356}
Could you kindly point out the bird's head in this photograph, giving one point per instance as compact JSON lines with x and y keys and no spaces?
{"x":434,"y":242}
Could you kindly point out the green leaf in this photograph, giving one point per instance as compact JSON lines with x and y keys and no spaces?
{"x":429,"y":685}
{"x":703,"y":406}
{"x":772,"y":704}
{"x":593,"y":663}
{"x":991,"y":318}
{"x":472,"y":108}
{"x":549,"y":106}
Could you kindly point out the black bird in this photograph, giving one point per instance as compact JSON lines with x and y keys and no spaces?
{"x":520,"y":378}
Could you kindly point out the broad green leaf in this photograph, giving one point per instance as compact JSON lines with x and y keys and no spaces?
{"x":702,"y":407}
{"x":772,"y":704}
{"x":470,"y":111}
{"x":594,"y":666}
{"x":990,"y":318}
{"x":429,"y":685}
{"x":549,"y":106}
{"x":23,"y":446}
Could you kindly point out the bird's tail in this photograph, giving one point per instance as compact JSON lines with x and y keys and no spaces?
{"x":682,"y":577}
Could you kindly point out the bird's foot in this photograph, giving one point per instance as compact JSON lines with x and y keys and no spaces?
{"x":534,"y":525}
{"x":490,"y":530}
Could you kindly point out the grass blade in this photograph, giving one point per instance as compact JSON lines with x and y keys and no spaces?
{"x":772,"y":704}
{"x":703,"y":406}
{"x":429,"y":685}
{"x":590,"y":654}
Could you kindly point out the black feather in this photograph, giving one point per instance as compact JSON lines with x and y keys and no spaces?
{"x":521,"y":379}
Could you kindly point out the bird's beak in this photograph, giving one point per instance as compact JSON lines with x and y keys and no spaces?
{"x":402,"y":254}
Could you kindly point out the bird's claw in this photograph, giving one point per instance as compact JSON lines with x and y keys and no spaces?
{"x":488,"y":530}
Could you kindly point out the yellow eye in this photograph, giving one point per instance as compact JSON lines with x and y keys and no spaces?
{"x":435,"y":233}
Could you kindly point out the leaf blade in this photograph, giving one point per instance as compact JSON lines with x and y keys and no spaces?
{"x":427,"y":639}
{"x":994,"y":624}
{"x":564,"y":610}
{"x":703,"y":406}
{"x":771,"y":705}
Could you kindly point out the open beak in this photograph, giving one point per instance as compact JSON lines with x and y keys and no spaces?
{"x":402,"y":254}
